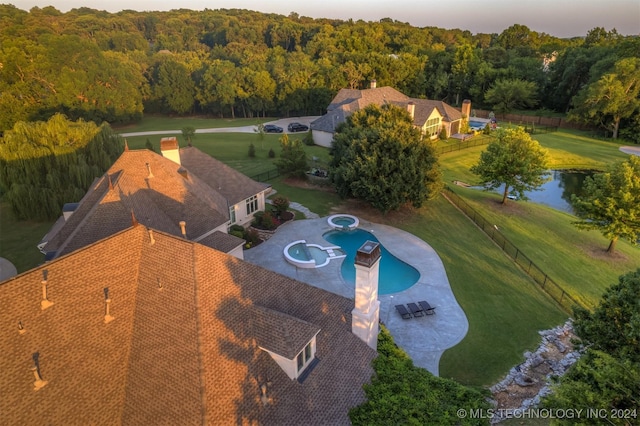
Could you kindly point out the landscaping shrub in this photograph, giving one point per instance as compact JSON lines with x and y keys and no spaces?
{"x":265,"y":220}
{"x":252,"y":151}
{"x":272,"y":153}
{"x":280,"y":204}
{"x":308,"y":139}
{"x":236,"y":228}
{"x":239,"y":234}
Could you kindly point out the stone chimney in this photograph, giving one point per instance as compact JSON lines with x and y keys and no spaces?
{"x":170,"y":149}
{"x":466,"y":109}
{"x":366,"y":313}
{"x":373,"y":83}
{"x":411,"y":107}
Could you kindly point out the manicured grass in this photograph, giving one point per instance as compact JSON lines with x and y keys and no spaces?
{"x":574,"y":259}
{"x":504,"y":307}
{"x":233,"y":149}
{"x":318,"y":201}
{"x":18,"y":240}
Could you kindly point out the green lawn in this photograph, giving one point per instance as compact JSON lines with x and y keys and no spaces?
{"x":574,"y":259}
{"x":18,"y":240}
{"x":233,"y":149}
{"x":504,"y":307}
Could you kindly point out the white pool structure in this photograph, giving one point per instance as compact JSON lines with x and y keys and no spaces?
{"x":305,"y":255}
{"x":343,"y":221}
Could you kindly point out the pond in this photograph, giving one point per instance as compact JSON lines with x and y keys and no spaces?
{"x":558,"y":191}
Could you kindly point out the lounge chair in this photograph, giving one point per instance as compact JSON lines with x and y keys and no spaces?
{"x":415,"y":310}
{"x":426,"y":307}
{"x":403,"y":312}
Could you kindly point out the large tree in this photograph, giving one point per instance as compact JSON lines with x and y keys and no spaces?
{"x":402,"y":394}
{"x":46,"y":164}
{"x":611,"y":203}
{"x":378,"y":156}
{"x":513,"y":160}
{"x":616,"y":95}
{"x":507,"y":94}
{"x":607,"y":377}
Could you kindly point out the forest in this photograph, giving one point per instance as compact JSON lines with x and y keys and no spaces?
{"x":114,"y":67}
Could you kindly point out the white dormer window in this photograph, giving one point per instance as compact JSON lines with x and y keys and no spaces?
{"x":305,"y":356}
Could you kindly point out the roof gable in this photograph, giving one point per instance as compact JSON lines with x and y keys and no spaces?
{"x":232,"y":184}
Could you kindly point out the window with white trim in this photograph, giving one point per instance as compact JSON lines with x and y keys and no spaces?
{"x":433,"y":127}
{"x":252,"y":204}
{"x":304,"y":357}
{"x":232,"y":215}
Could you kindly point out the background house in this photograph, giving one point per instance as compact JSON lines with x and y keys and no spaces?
{"x":145,"y":327}
{"x":429,"y":116}
{"x":183,"y":192}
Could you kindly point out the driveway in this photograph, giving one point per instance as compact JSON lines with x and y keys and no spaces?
{"x":282,"y":122}
{"x":633,"y":150}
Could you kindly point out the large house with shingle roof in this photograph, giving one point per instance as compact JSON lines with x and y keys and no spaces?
{"x":429,"y":116}
{"x":146,"y":327}
{"x":183,"y":192}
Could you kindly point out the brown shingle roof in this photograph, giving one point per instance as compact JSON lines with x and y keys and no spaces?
{"x":281,"y":333}
{"x":160,"y":202}
{"x":180,"y":350}
{"x":348,"y":101}
{"x":232,"y":184}
{"x":222,"y":241}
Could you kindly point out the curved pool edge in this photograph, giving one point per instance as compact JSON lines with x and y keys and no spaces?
{"x":354,"y":225}
{"x":309,"y":264}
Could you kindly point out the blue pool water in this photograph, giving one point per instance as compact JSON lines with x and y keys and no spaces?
{"x":395,"y":275}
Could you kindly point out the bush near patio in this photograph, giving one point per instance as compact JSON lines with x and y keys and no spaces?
{"x":401,"y":393}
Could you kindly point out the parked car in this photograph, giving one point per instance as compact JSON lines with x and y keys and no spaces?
{"x":297,"y":127}
{"x":272,"y":128}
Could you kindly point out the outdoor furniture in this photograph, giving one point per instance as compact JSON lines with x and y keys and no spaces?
{"x":415,"y":310}
{"x":403,"y":312}
{"x":426,"y":307}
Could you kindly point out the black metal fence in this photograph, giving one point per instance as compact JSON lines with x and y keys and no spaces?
{"x":265,"y":176}
{"x":469,"y":143}
{"x":539,"y":276}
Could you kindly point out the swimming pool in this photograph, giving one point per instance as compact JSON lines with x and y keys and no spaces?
{"x":395,"y":275}
{"x":477,"y":125}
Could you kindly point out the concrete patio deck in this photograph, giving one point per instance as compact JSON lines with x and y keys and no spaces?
{"x":423,"y":338}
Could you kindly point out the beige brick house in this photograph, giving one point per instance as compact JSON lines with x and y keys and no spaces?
{"x":183,"y":192}
{"x":429,"y":116}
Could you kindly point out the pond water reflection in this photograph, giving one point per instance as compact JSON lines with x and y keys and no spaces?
{"x":557,"y":192}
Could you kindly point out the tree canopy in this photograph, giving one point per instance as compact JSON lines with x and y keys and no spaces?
{"x":514,"y":160}
{"x":611,"y":203}
{"x":46,"y":164}
{"x":293,"y":159}
{"x":112,"y":67}
{"x":401,"y":393}
{"x":380,"y":157}
{"x":613,"y":97}
{"x":607,"y":376}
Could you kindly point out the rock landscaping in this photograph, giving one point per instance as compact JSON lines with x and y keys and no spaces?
{"x":527,"y":383}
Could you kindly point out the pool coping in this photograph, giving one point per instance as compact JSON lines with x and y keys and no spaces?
{"x":423,"y":338}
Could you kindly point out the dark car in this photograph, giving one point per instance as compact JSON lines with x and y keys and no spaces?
{"x":272,"y":128}
{"x":297,"y":127}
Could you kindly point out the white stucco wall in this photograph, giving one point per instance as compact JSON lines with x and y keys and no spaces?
{"x":322,"y":138}
{"x":240,"y":209}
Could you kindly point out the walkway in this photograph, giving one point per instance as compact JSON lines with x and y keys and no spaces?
{"x":633,"y":150}
{"x":283,"y":122}
{"x":424,"y":338}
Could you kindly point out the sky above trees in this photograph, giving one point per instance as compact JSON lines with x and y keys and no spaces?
{"x":567,"y":18}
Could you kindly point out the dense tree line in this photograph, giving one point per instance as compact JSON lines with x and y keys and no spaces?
{"x":112,"y":67}
{"x":46,"y":164}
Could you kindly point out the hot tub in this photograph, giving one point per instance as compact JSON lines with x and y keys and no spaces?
{"x":343,"y":221}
